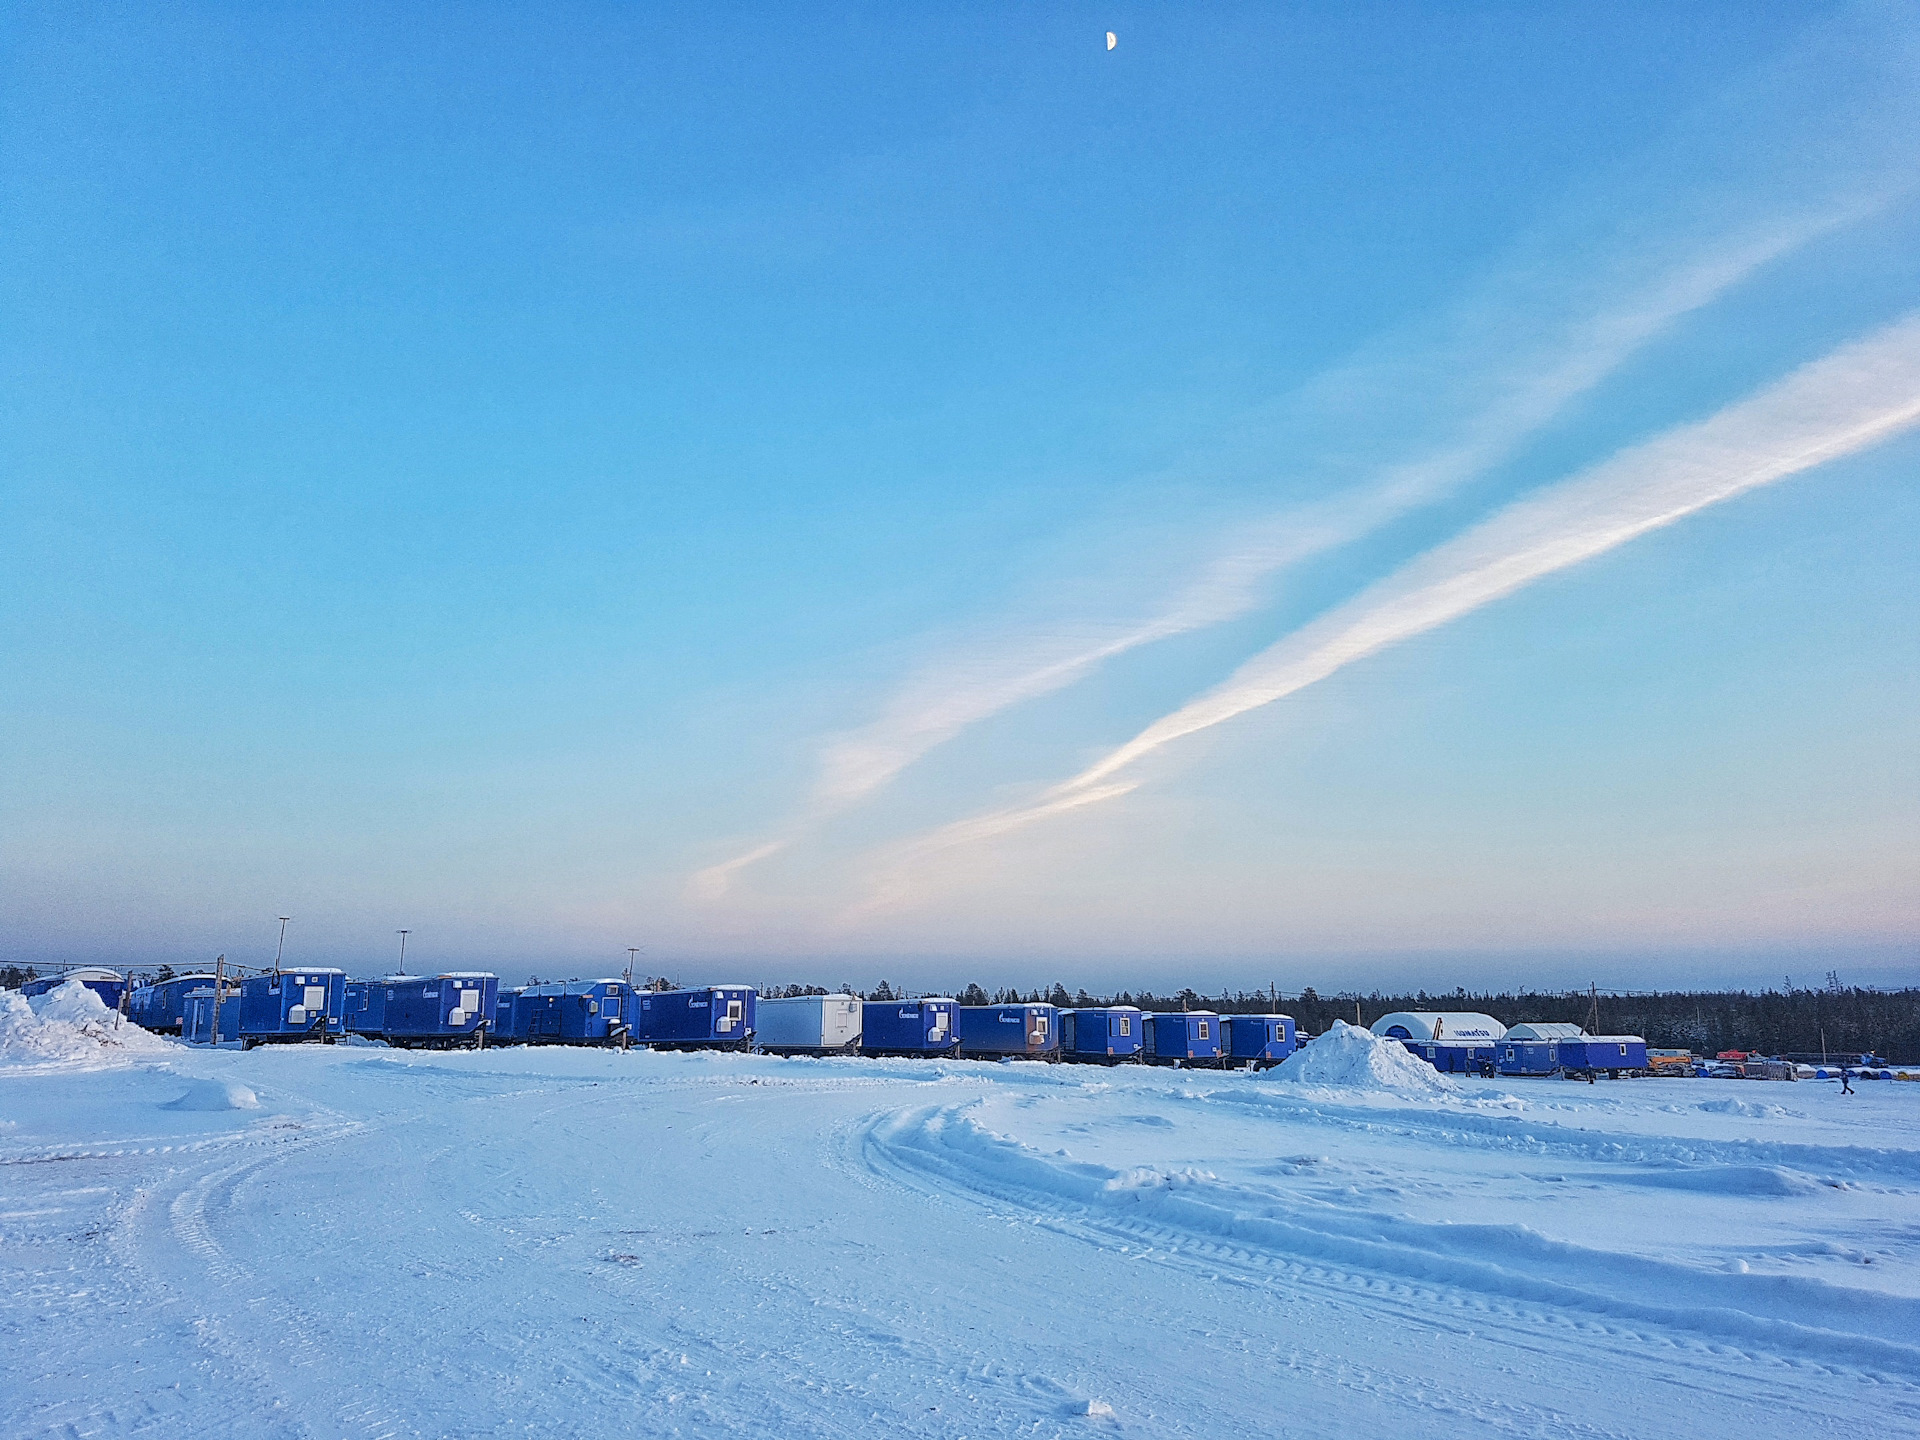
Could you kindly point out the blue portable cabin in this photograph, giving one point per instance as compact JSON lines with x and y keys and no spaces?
{"x":162,"y":1006}
{"x":1182,"y":1037}
{"x":1525,"y":1057}
{"x":363,"y":1005}
{"x":109,"y":985}
{"x":991,"y":1031}
{"x":293,"y":1005}
{"x":1457,"y":1057}
{"x":908,"y":1027}
{"x":714,"y":1017}
{"x":197,"y":1014}
{"x":454,"y":1008}
{"x":1101,"y":1035}
{"x":501,"y":1030}
{"x":1260,"y":1041}
{"x":571,"y":1012}
{"x":1611,"y":1055}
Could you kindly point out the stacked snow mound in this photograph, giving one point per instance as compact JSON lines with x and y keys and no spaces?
{"x":71,"y":1024}
{"x":1355,"y":1059}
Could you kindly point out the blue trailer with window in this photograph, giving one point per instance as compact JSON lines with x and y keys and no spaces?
{"x":994,"y":1031}
{"x":714,"y":1017}
{"x":162,"y":1006}
{"x":569,"y":1012}
{"x":1257,"y":1041}
{"x":1457,"y":1057}
{"x":292,"y":1006}
{"x":438,"y":1011}
{"x":1101,"y":1035}
{"x":1525,"y":1057}
{"x":1182,"y":1037}
{"x":1609,"y":1055}
{"x":908,"y":1027}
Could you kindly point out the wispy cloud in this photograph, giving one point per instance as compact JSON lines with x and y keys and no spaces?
{"x":1503,"y":362}
{"x":1845,"y":402}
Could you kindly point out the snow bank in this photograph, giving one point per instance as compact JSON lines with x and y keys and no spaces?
{"x":215,"y":1095}
{"x":69,"y":1024}
{"x":1355,"y":1059}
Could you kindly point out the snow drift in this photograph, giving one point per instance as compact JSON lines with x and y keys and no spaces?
{"x":68,"y":1024}
{"x":215,"y":1095}
{"x":1355,"y":1059}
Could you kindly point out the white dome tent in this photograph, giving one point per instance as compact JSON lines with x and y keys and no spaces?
{"x":1435,"y":1026}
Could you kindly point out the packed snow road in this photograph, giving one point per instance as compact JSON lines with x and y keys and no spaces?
{"x":352,"y":1241}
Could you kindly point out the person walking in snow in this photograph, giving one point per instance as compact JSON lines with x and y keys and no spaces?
{"x":1846,"y":1081}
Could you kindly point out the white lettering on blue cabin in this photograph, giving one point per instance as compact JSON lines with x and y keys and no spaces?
{"x":697,"y":1004}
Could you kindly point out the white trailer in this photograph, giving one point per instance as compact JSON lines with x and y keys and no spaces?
{"x":809,"y":1025}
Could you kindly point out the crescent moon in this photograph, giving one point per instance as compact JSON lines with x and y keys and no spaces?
{"x":1111,"y":40}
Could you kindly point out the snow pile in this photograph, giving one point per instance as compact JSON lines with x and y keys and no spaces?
{"x":67,"y":1024}
{"x":1355,"y":1059}
{"x":215,"y":1095}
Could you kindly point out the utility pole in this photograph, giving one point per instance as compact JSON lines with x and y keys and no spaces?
{"x":1593,"y":1015}
{"x":403,"y":950}
{"x":219,"y":994}
{"x":633,"y":952}
{"x":283,"y":943}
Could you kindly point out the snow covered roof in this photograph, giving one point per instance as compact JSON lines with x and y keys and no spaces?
{"x":90,"y":972}
{"x":1545,"y":1030}
{"x":1439,"y":1025}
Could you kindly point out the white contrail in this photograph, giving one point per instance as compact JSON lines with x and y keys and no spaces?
{"x":1847,"y":401}
{"x":1532,"y":384}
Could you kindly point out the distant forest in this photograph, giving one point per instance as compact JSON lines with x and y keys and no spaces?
{"x":1774,"y":1022}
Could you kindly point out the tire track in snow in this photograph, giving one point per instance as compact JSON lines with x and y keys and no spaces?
{"x":1195,"y":1221}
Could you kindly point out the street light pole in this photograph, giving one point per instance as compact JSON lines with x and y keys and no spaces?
{"x":283,"y":943}
{"x":403,"y":951}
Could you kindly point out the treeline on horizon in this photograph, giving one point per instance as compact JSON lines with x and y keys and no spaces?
{"x":1772,"y":1022}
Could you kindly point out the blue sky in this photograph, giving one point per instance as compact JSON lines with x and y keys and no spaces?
{"x":734,"y":483}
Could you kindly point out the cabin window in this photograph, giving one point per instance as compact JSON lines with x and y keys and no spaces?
{"x":1623,"y":1049}
{"x":1205,"y":1033}
{"x":1123,"y":1024}
{"x":1039,"y":1026}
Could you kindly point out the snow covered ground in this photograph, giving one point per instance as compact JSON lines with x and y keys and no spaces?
{"x":353,"y":1241}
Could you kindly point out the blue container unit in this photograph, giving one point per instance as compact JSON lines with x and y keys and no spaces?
{"x":989,"y":1032}
{"x":570,"y":1012}
{"x":1525,"y":1057}
{"x":1258,"y":1041}
{"x":363,"y":1006}
{"x":1182,"y":1037}
{"x":908,"y":1027}
{"x":197,"y":1015}
{"x":1462,"y":1057}
{"x":715,"y":1017}
{"x":291,"y":1006}
{"x":1102,"y":1035}
{"x":162,"y":1007}
{"x":1611,"y":1055}
{"x":109,"y":985}
{"x":439,"y":1011}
